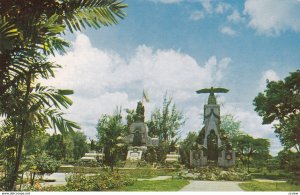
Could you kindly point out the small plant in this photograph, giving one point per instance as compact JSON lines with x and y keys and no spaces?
{"x":105,"y":181}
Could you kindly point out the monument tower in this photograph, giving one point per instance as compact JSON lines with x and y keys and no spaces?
{"x":138,"y":138}
{"x":210,"y":146}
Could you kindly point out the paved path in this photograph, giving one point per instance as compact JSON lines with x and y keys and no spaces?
{"x":157,"y":178}
{"x":60,"y":179}
{"x":212,"y":186}
{"x":270,"y":180}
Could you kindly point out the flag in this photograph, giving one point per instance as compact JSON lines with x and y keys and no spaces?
{"x":145,"y":96}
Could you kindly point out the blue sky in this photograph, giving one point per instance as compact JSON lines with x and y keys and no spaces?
{"x":181,"y":46}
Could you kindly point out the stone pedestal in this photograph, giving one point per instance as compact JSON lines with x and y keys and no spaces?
{"x":93,"y":156}
{"x":227,"y":159}
{"x":135,"y":154}
{"x":172,"y":157}
{"x":139,"y":140}
{"x":197,"y":159}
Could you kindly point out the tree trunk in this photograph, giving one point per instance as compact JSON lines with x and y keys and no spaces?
{"x":248,"y":162}
{"x":19,"y":149}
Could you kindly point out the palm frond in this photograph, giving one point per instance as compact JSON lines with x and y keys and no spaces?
{"x":92,"y":13}
{"x":8,"y":32}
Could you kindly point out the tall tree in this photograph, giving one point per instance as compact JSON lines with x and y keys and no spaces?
{"x":29,"y":32}
{"x":165,"y":122}
{"x":231,"y":126}
{"x":185,"y":147}
{"x":280,"y":104}
{"x":80,"y":145}
{"x":248,"y":147}
{"x":56,"y":147}
{"x":36,"y":143}
{"x":110,"y":132}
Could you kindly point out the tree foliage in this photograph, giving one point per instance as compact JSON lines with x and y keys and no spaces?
{"x":110,"y":134}
{"x":247,"y":148}
{"x":56,"y":147}
{"x":288,"y":160}
{"x":36,"y":144}
{"x":280,"y":104}
{"x":41,"y":164}
{"x":231,"y":126}
{"x":186,"y":146}
{"x":165,"y":122}
{"x":29,"y":32}
{"x":80,"y":145}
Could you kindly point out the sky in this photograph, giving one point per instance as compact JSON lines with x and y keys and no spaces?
{"x":178,"y":47}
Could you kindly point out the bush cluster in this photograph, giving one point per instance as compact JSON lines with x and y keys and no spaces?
{"x":79,"y":182}
{"x":105,"y":181}
{"x":212,"y":173}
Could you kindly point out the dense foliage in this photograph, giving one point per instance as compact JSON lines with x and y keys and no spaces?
{"x":280,"y":104}
{"x":165,"y":122}
{"x":111,"y":131}
{"x":249,"y":149}
{"x":29,"y":32}
{"x":186,"y":146}
{"x":104,"y":181}
{"x":40,"y":164}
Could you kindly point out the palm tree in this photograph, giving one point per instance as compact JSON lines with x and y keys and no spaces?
{"x":110,"y":133}
{"x":30,"y":31}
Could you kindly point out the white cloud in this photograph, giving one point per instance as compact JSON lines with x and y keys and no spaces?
{"x":103,"y":80}
{"x":197,"y":15}
{"x":228,"y":31}
{"x":206,"y":4}
{"x":222,"y":8}
{"x":270,"y":75}
{"x":273,"y":17}
{"x":235,"y":17}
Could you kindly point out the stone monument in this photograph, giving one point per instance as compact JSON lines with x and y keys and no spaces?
{"x":138,"y":138}
{"x":173,"y":156}
{"x":212,"y":145}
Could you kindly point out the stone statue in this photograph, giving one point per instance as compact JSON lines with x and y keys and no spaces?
{"x":140,"y":113}
{"x":212,"y":91}
{"x":137,"y":138}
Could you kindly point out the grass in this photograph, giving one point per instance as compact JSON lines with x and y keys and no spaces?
{"x":147,"y":173}
{"x":133,"y":173}
{"x":268,"y":186}
{"x":156,"y":185}
{"x":265,"y":174}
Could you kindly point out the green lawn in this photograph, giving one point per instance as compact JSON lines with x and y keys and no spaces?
{"x":156,"y":185}
{"x":147,"y":173}
{"x":273,"y":175}
{"x":268,"y":186}
{"x":133,"y":173}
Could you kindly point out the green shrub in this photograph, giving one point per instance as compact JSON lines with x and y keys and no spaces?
{"x":107,"y":180}
{"x":87,"y":163}
{"x":213,"y":173}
